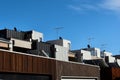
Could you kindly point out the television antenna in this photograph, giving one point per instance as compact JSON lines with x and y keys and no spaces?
{"x":89,"y":40}
{"x":103,"y":46}
{"x":57,"y":30}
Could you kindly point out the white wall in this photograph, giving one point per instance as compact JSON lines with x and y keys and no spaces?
{"x":111,"y":59}
{"x":86,"y":55}
{"x":118,"y":61}
{"x":11,"y":45}
{"x":97,"y":52}
{"x":37,"y":35}
{"x":21,"y":43}
{"x":108,"y":54}
{"x":61,"y":42}
{"x":66,"y":43}
{"x":61,"y":53}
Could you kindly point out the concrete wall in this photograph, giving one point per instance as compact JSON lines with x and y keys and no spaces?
{"x":110,"y":58}
{"x":97,"y":50}
{"x":66,"y":43}
{"x":86,"y":55}
{"x":108,"y":54}
{"x":37,"y":35}
{"x":21,"y":43}
{"x":61,"y":53}
{"x":45,"y":47}
{"x":61,"y":42}
{"x":118,"y":62}
{"x":94,"y":52}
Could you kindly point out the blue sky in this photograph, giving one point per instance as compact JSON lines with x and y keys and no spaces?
{"x":81,"y":19}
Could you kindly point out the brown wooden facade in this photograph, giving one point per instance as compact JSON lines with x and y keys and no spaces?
{"x":115,"y":73}
{"x":24,"y":63}
{"x":110,"y":74}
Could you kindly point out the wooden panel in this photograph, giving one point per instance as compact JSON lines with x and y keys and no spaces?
{"x":6,"y":61}
{"x":30,"y":64}
{"x":40,"y":65}
{"x":13,"y":62}
{"x":115,"y":73}
{"x":110,"y":74}
{"x":73,"y":69}
{"x":35,"y":65}
{"x":49,"y":66}
{"x":52,"y":69}
{"x":1,"y":61}
{"x":43,"y":64}
{"x":19,"y":64}
{"x":106,"y":73}
{"x":25,"y":64}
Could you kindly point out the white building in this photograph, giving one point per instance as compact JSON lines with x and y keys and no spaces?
{"x":95,"y":52}
{"x":34,"y":35}
{"x":21,"y":43}
{"x":61,"y":42}
{"x":61,"y":53}
{"x":62,"y":48}
{"x":37,"y":35}
{"x":85,"y":55}
{"x":111,"y":59}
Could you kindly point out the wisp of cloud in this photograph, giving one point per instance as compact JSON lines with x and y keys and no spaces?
{"x":86,"y":5}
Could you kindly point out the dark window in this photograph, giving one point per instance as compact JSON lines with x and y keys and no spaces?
{"x":13,"y":42}
{"x":6,"y":76}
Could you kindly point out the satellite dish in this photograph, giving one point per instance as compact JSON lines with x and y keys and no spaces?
{"x":15,"y":28}
{"x":103,"y":50}
{"x":88,"y":46}
{"x":60,"y":38}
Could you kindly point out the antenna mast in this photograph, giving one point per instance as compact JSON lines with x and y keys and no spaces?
{"x":89,"y":40}
{"x":103,"y":46}
{"x":57,"y":30}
